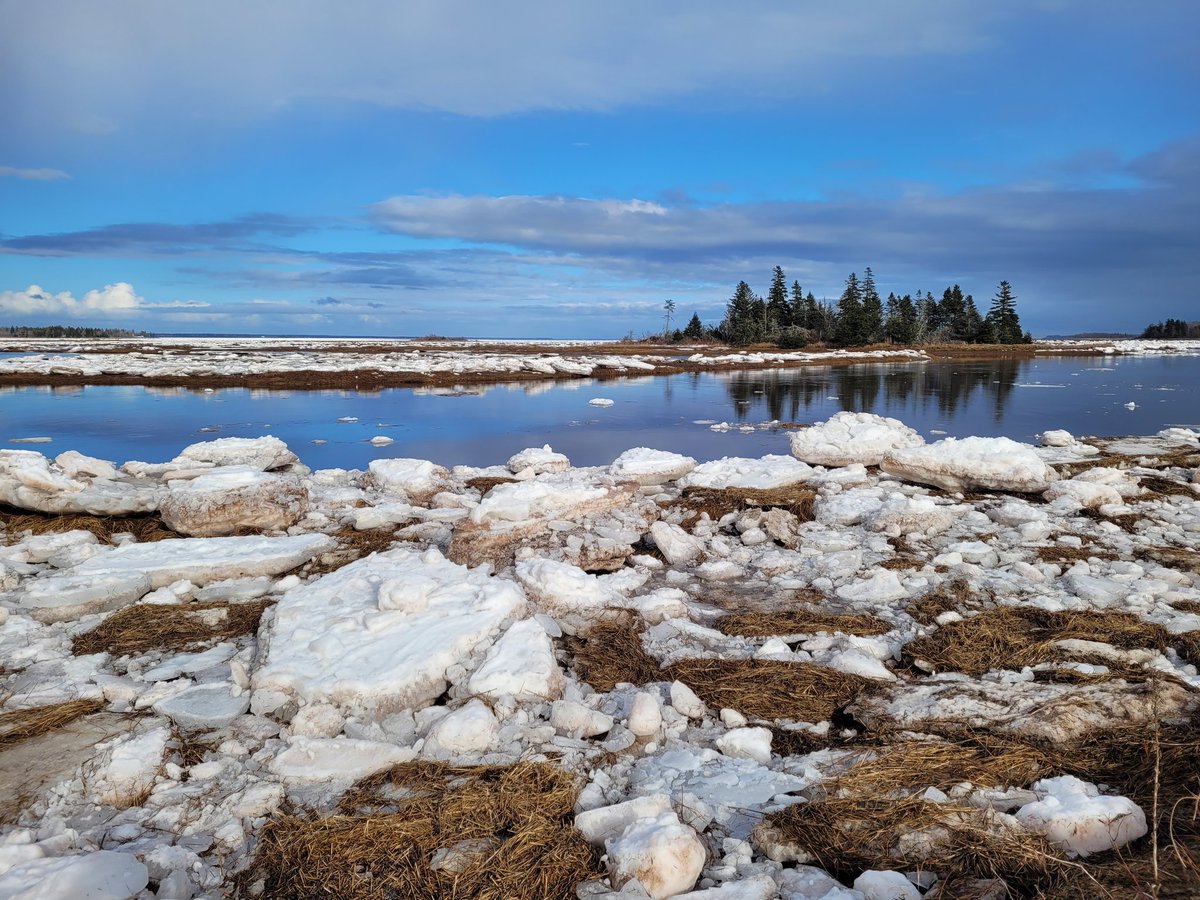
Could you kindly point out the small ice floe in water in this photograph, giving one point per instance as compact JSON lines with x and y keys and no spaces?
{"x":318,"y":441}
{"x":600,"y":401}
{"x":1131,"y":405}
{"x":209,"y":391}
{"x":30,"y":440}
{"x":347,"y":418}
{"x":381,"y":440}
{"x":210,"y":428}
{"x":936,"y":431}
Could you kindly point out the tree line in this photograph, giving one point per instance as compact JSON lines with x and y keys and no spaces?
{"x":67,"y":331}
{"x":792,"y":317}
{"x":1172,"y":329}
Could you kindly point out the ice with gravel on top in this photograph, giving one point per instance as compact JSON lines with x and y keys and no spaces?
{"x":764,"y":473}
{"x":380,"y":633}
{"x":850,"y":437}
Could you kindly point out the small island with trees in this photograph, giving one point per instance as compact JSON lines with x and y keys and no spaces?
{"x":792,"y":318}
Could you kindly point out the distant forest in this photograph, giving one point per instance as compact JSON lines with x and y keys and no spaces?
{"x":791,"y":318}
{"x":67,"y":331}
{"x":1172,"y":329}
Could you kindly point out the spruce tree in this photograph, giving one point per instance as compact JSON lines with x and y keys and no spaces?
{"x":872,"y":310}
{"x":1002,"y":318}
{"x":778,"y":314}
{"x":695,"y":328}
{"x":850,"y":330}
{"x":796,"y":311}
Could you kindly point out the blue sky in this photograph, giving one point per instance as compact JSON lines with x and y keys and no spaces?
{"x":562,"y":169}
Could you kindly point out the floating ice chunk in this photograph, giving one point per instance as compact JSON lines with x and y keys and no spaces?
{"x":410,"y":478}
{"x":538,"y":461}
{"x":600,"y":401}
{"x":204,"y":560}
{"x":1073,"y":815}
{"x":263,"y":453}
{"x":661,"y":853}
{"x":973,"y":463}
{"x":203,"y":706}
{"x":747,"y":743}
{"x":850,"y":437}
{"x":884,"y":884}
{"x":336,"y":759}
{"x":102,"y":875}
{"x":1131,"y":405}
{"x":467,"y":731}
{"x":676,"y":545}
{"x":740,"y":472}
{"x":521,"y":664}
{"x":232,"y":497}
{"x":381,"y":440}
{"x":646,"y":466}
{"x":331,"y":642}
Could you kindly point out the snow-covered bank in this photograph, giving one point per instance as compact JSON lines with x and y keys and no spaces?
{"x":739,"y":665}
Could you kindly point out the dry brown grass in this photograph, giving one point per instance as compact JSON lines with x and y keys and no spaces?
{"x":1158,"y":486}
{"x":21,"y":724}
{"x":902,"y":562}
{"x":1175,"y":557}
{"x":485,"y":483}
{"x":150,"y":626}
{"x":949,"y":596}
{"x":352,"y":545}
{"x":846,"y":835}
{"x":1014,"y":637}
{"x":767,"y":689}
{"x":143,"y":528}
{"x":1061,"y":554}
{"x":512,"y":826}
{"x":1191,"y":606}
{"x":718,"y":502}
{"x":613,"y":654}
{"x":1127,"y":522}
{"x":800,"y":621}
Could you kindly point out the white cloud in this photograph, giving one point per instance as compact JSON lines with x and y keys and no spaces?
{"x":113,"y":298}
{"x":32,"y":174}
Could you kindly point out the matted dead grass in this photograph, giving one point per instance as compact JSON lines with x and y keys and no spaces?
{"x":613,"y":654}
{"x":766,"y":688}
{"x":152,"y":626}
{"x":485,"y":483}
{"x":846,"y":835}
{"x":1127,"y":522}
{"x":902,"y":562}
{"x":432,"y":830}
{"x":1174,"y":557}
{"x":352,"y":545}
{"x":718,"y":502}
{"x":1011,"y":637}
{"x":1158,"y":486}
{"x":949,"y":596}
{"x":21,"y":724}
{"x":800,"y":621}
{"x":144,"y":528}
{"x":1062,"y":554}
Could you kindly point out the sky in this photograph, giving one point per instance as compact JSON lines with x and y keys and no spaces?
{"x":563,"y":169}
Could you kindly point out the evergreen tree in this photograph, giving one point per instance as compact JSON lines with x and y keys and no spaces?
{"x":974,"y":329}
{"x":850,"y":330}
{"x":743,"y":316}
{"x":1002,"y":318}
{"x":694,"y":329}
{"x":814,"y":318}
{"x":797,"y":314}
{"x":872,"y":310}
{"x":778,"y":313}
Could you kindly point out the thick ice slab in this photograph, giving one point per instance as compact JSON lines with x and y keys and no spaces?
{"x":30,"y":481}
{"x":102,"y":875}
{"x":850,"y":437}
{"x":233,"y":497}
{"x":262,"y":453}
{"x":62,"y":598}
{"x":973,"y":463}
{"x":202,"y":560}
{"x":646,"y":466}
{"x":766,"y":472}
{"x":380,"y":634}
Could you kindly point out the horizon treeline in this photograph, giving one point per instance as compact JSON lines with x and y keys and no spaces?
{"x":67,"y":331}
{"x":1172,"y":329}
{"x":791,"y":317}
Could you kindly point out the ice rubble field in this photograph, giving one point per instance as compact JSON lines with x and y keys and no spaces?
{"x":536,"y":611}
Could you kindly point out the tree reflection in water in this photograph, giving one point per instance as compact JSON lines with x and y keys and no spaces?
{"x":787,"y":395}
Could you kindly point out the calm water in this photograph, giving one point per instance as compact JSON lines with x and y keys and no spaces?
{"x":1015,"y":398}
